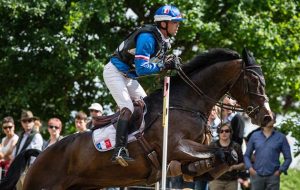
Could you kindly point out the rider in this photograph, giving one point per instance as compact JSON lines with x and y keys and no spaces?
{"x":142,"y":53}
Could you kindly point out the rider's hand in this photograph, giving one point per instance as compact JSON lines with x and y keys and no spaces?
{"x":171,"y":62}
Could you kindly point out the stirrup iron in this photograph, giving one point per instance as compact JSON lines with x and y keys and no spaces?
{"x":120,"y":159}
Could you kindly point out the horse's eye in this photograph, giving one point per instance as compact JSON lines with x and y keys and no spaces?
{"x":249,"y":109}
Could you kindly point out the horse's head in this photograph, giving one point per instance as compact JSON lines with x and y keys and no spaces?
{"x":250,"y":92}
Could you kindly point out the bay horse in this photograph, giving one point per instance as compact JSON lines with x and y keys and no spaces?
{"x":74,"y":163}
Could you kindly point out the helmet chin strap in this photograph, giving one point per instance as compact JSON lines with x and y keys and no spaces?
{"x":166,"y":28}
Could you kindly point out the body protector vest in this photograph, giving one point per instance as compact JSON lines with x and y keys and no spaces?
{"x":126,"y":50}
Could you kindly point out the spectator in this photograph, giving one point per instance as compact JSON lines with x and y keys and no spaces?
{"x":54,"y":129}
{"x":142,"y":53}
{"x":81,"y":122}
{"x":237,"y":122}
{"x":37,"y":124}
{"x":29,"y":139}
{"x":8,"y":143}
{"x":265,"y":170}
{"x":95,"y":111}
{"x":229,"y":179}
{"x":213,"y":122}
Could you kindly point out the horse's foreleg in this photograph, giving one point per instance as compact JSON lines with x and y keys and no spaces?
{"x":193,"y":151}
{"x":198,"y":159}
{"x":196,"y":168}
{"x":218,"y":170}
{"x":203,"y":169}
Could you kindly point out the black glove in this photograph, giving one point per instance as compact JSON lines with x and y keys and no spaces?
{"x":172,"y":62}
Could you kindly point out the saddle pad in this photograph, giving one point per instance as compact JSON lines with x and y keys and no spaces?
{"x":104,"y":138}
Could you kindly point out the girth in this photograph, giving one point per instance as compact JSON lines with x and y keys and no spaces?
{"x":152,"y":155}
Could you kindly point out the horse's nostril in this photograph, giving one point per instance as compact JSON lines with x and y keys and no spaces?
{"x":267,"y":119}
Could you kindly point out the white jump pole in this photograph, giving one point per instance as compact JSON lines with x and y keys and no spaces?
{"x":165,"y":126}
{"x":156,"y":187}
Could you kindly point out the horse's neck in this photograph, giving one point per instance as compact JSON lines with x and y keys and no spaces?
{"x":214,"y":82}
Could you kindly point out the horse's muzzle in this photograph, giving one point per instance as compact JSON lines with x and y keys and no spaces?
{"x":266,"y":120}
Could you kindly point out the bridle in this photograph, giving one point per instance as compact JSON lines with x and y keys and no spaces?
{"x":245,"y":69}
{"x":250,"y":69}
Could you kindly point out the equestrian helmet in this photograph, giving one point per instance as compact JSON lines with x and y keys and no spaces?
{"x":168,"y":13}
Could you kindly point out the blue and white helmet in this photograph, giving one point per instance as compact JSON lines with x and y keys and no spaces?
{"x":168,"y":13}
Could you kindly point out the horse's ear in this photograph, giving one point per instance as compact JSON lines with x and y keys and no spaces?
{"x":248,"y":57}
{"x":250,"y":61}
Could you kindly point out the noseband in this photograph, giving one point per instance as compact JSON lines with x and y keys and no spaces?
{"x":250,"y":69}
{"x":250,"y":109}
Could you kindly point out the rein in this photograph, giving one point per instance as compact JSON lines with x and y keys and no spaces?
{"x":188,"y":81}
{"x":195,"y":112}
{"x":249,"y":110}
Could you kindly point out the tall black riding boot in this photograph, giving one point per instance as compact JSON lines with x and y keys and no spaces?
{"x":121,"y":154}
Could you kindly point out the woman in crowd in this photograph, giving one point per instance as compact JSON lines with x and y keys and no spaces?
{"x":8,"y":143}
{"x":229,"y":179}
{"x":54,"y":129}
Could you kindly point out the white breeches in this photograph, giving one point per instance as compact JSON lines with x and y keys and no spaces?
{"x":123,"y":89}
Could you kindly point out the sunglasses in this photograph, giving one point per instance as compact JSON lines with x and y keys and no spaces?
{"x":94,"y":111}
{"x":53,"y":127}
{"x":226,"y":131}
{"x":27,"y":120}
{"x":7,"y":127}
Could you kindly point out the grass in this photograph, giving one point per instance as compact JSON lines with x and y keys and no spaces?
{"x":290,"y":181}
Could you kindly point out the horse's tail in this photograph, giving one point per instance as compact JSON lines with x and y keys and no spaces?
{"x":16,"y":168}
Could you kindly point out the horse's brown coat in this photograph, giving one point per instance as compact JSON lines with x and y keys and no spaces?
{"x":73,"y":163}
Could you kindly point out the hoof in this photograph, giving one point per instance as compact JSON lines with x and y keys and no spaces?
{"x":188,"y":178}
{"x":174,"y":169}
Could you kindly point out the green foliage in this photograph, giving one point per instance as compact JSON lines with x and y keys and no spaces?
{"x":292,"y":125}
{"x":52,"y":53}
{"x":290,"y":181}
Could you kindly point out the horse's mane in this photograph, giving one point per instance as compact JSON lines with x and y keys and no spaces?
{"x":200,"y":62}
{"x":210,"y":57}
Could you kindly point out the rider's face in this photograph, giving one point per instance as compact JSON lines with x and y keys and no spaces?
{"x":173,"y":27}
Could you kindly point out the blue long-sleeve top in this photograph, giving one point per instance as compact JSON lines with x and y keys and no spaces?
{"x":267,"y":151}
{"x":144,"y":64}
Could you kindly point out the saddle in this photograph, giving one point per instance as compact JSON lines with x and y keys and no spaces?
{"x":134,"y":123}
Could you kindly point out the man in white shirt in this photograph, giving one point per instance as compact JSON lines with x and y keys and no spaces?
{"x":213,"y":122}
